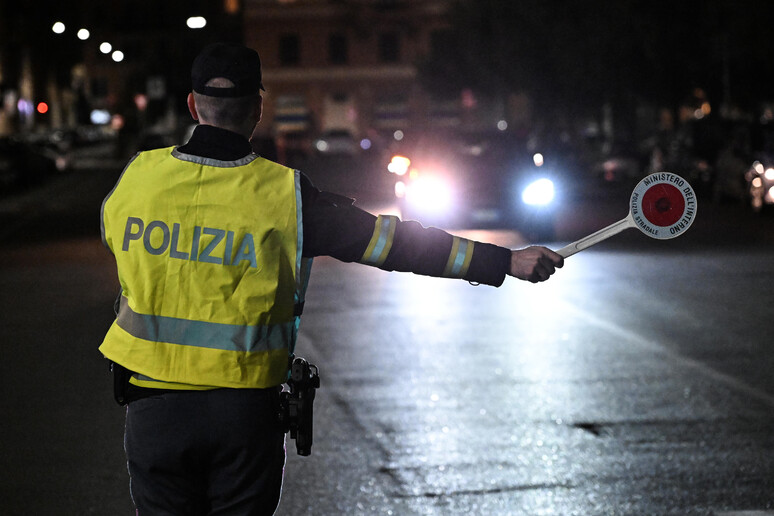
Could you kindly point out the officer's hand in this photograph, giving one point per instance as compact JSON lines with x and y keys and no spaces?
{"x":534,"y":263}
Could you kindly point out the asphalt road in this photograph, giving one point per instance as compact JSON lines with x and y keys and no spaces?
{"x":637,"y":381}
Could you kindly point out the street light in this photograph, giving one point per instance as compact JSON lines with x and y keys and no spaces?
{"x":83,"y":34}
{"x":118,"y":56}
{"x":105,"y":47}
{"x":196,"y":22}
{"x":58,"y":27}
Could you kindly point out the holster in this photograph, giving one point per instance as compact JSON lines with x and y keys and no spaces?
{"x":121,"y":377}
{"x":296,"y":405}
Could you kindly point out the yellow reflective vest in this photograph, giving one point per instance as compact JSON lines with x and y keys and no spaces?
{"x":209,"y":261}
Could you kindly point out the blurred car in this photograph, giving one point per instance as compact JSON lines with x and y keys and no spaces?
{"x":618,"y":169}
{"x":617,"y":162}
{"x":477,"y":181}
{"x":760,"y":184}
{"x":730,"y":183}
{"x":336,"y":142}
{"x":24,"y":163}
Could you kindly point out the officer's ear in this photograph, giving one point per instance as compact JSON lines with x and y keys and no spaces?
{"x":259,"y":108}
{"x":192,"y":106}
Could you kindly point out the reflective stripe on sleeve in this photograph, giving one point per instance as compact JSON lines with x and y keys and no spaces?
{"x":459,"y":258}
{"x":381,"y":241}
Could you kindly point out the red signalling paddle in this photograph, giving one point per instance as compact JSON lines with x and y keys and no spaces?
{"x":662,"y":205}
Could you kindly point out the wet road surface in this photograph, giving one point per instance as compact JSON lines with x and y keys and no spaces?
{"x":637,"y":381}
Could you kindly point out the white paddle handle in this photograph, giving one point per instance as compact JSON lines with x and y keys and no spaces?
{"x":595,"y":238}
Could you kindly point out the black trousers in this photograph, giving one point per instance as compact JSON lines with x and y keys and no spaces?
{"x":218,"y":452}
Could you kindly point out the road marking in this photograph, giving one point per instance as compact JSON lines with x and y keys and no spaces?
{"x":691,"y":363}
{"x":687,"y":362}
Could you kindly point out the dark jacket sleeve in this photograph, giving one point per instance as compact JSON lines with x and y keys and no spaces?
{"x":333,"y":226}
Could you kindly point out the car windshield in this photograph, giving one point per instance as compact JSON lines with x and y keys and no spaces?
{"x":482,"y":158}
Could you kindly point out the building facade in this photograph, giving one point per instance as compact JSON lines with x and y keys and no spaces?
{"x":342,"y":66}
{"x":346,"y":66}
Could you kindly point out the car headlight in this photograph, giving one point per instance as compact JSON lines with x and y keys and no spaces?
{"x":399,"y":165}
{"x":429,"y":194}
{"x":538,"y":193}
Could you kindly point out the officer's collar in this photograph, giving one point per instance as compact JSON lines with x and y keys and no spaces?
{"x":214,"y":142}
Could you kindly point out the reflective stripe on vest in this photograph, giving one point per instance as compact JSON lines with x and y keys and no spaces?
{"x":202,"y":334}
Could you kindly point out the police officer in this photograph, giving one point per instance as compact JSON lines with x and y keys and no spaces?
{"x":213,"y":245}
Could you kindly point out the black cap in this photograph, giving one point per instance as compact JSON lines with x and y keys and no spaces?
{"x":237,"y":63}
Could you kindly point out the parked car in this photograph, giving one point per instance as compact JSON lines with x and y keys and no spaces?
{"x":24,"y":163}
{"x":336,"y":142}
{"x":760,"y":184}
{"x":745,"y":165}
{"x":480,"y":180}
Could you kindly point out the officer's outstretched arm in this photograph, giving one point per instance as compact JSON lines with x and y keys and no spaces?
{"x":534,"y":263}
